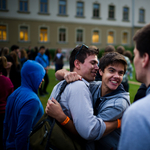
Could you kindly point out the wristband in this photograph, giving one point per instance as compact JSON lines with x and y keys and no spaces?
{"x":119,"y":123}
{"x":65,"y":121}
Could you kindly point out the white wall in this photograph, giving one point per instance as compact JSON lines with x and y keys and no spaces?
{"x":71,"y":12}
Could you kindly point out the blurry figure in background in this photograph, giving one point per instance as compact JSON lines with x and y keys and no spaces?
{"x":48,"y":55}
{"x":23,"y":108}
{"x":129,"y":55}
{"x":58,"y":59}
{"x":109,"y":48}
{"x":12,"y":72}
{"x":23,"y":56}
{"x":121,"y":50}
{"x":4,"y":51}
{"x":43,"y":60}
{"x":30,"y":53}
{"x":15,"y":48}
{"x":15,"y":58}
{"x":6,"y":88}
{"x":35,"y":52}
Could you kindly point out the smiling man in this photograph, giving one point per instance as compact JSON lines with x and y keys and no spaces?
{"x":136,"y":120}
{"x":110,"y":100}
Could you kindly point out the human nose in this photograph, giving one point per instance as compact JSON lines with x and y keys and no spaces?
{"x":96,"y":66}
{"x":116,"y":74}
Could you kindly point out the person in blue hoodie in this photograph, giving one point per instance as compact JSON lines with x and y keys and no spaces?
{"x":23,"y":108}
{"x":44,"y":61}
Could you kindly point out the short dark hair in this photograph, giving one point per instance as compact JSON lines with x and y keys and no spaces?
{"x":120,"y":50}
{"x":42,"y":47}
{"x":81,"y":53}
{"x":109,"y":48}
{"x":142,"y":40}
{"x":14,"y":47}
{"x":111,"y":59}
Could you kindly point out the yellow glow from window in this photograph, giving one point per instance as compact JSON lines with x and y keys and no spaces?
{"x":26,"y":36}
{"x":43,"y":35}
{"x":4,"y":35}
{"x":95,"y":37}
{"x":0,"y":35}
{"x":124,"y":39}
{"x":21,"y":35}
{"x":110,"y":38}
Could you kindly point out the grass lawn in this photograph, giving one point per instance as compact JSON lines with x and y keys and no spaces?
{"x":132,"y":87}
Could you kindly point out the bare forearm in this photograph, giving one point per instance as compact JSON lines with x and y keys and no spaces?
{"x":110,"y":126}
{"x":60,"y":74}
{"x":69,"y":126}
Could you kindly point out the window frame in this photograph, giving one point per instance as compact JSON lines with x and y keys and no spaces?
{"x":123,"y":14}
{"x":40,"y":12}
{"x":66,"y":35}
{"x":3,"y":9}
{"x":114,"y":40}
{"x":23,"y":11}
{"x":128,"y":36}
{"x":99,"y":33}
{"x":98,"y":10}
{"x":3,"y":24}
{"x":142,"y":21}
{"x":114,"y":12}
{"x":48,"y":33}
{"x":83,"y":36}
{"x":79,"y":16}
{"x":62,"y":14}
{"x":28,"y":31}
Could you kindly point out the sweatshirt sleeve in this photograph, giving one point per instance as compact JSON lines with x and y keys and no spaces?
{"x":114,"y":109}
{"x":80,"y":104}
{"x":25,"y":122}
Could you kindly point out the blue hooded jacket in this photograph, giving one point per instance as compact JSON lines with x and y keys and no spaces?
{"x":23,"y":108}
{"x":110,"y":107}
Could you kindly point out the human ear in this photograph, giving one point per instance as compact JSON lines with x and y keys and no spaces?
{"x":145,"y":60}
{"x":77,"y":64}
{"x":100,"y":72}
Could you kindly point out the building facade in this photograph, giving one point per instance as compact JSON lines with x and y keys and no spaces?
{"x":67,"y":23}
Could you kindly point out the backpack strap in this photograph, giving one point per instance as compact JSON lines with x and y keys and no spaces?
{"x":63,"y":85}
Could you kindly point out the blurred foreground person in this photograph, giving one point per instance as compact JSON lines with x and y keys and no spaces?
{"x":6,"y":88}
{"x":24,"y":107}
{"x":136,"y":120}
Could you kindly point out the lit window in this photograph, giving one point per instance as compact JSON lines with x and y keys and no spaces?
{"x":79,"y":9}
{"x":2,"y":4}
{"x":125,"y":38}
{"x":110,"y":37}
{"x":23,"y":33}
{"x":96,"y":10}
{"x":125,"y":13}
{"x":142,"y":15}
{"x":62,"y":35}
{"x":43,"y":6}
{"x":62,"y":7}
{"x":111,"y":12}
{"x":79,"y":35}
{"x":95,"y":37}
{"x":3,"y":33}
{"x":23,"y":5}
{"x":43,"y":35}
